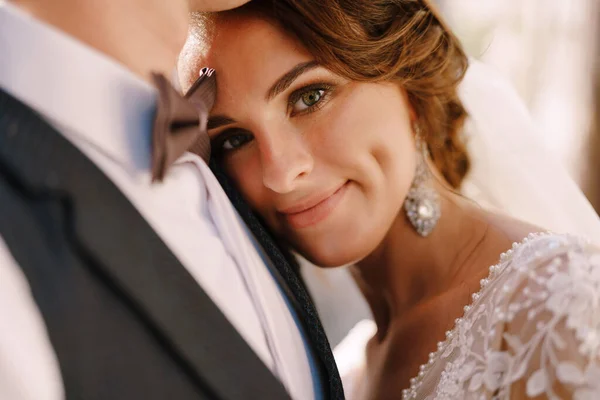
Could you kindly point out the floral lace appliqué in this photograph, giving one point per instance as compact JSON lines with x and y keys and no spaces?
{"x":533,"y":329}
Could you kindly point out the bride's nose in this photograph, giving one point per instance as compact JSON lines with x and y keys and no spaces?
{"x":286,"y":160}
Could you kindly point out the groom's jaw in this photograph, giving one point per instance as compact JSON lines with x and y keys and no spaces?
{"x":215,"y":5}
{"x":144,"y":36}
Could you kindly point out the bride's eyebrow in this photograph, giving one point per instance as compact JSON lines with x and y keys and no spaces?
{"x":279,"y":86}
{"x":218,"y":121}
{"x":289,"y":77}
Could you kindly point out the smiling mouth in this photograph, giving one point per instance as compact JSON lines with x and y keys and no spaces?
{"x":311,"y":213}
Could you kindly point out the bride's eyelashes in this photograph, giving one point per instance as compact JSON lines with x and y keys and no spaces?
{"x":303,"y":101}
{"x":230,"y":139}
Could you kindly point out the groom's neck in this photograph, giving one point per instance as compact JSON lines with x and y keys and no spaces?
{"x":143,"y":35}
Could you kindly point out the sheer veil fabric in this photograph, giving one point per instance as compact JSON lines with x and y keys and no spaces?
{"x":513,"y":173}
{"x":512,"y":170}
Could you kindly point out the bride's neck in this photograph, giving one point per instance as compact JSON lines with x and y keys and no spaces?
{"x":407,"y":270}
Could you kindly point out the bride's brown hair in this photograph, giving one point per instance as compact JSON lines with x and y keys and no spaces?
{"x":404,"y":41}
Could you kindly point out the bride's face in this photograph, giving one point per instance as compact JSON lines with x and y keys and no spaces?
{"x":325,"y":161}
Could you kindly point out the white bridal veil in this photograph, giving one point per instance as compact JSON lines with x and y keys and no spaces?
{"x":512,"y":170}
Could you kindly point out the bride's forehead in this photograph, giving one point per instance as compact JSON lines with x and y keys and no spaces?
{"x":252,"y":52}
{"x":249,"y":37}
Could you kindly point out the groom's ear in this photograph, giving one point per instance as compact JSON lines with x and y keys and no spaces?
{"x":215,"y":5}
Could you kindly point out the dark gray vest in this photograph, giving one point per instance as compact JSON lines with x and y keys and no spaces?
{"x":124,"y":317}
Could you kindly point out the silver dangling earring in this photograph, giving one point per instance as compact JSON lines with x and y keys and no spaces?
{"x":422,"y":203}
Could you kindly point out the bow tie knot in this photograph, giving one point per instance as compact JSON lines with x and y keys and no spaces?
{"x":180,"y":121}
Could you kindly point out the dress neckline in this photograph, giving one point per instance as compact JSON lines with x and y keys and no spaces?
{"x":494,"y":270}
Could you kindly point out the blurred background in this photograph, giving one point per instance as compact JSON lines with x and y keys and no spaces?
{"x":550,"y":51}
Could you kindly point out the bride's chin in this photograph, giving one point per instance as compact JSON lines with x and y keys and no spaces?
{"x":332,"y":251}
{"x":331,"y":259}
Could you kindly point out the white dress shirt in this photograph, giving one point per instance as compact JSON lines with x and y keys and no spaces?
{"x":107,"y":112}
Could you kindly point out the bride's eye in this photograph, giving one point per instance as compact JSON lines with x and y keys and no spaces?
{"x":233,"y":142}
{"x":225,"y":142}
{"x":308,"y":99}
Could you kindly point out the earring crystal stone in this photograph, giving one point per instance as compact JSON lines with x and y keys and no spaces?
{"x":422,"y":203}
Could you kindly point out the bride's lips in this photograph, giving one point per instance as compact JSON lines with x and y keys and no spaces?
{"x":313,"y":210}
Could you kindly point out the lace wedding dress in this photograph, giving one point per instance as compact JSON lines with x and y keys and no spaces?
{"x":532,"y":331}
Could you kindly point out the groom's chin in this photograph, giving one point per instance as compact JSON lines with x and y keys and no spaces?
{"x":215,"y":5}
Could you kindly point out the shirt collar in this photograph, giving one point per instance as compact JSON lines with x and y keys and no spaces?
{"x":76,"y":87}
